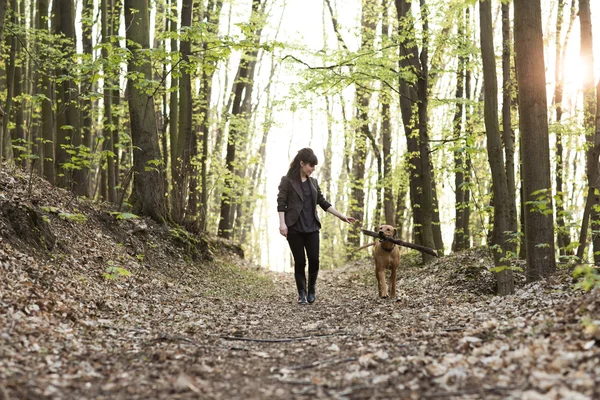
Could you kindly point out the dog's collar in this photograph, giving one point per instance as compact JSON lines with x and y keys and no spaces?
{"x":390,"y":249}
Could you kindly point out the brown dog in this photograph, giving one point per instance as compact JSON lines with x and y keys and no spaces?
{"x":387,"y":256}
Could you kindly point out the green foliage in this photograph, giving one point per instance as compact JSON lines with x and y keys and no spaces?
{"x":542,"y":203}
{"x":588,"y":277}
{"x":81,"y":157}
{"x":115,"y":273}
{"x":123,"y":215}
{"x":501,"y":268}
{"x":78,"y":218}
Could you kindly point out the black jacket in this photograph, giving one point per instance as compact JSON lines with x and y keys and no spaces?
{"x":290,"y":199}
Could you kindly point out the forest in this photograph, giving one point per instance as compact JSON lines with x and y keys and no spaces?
{"x":462,"y":123}
{"x":141,"y":148}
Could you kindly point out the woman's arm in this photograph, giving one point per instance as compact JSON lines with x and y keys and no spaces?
{"x":283,"y":229}
{"x":282,"y":200}
{"x":341,"y":216}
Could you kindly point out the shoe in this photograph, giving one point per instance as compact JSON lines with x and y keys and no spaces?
{"x":312,"y":282}
{"x":301,"y":286}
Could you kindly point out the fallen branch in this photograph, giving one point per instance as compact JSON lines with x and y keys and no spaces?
{"x":332,"y":361}
{"x":284,"y":340}
{"x":468,"y":391}
{"x":399,"y":242}
{"x":178,"y":338}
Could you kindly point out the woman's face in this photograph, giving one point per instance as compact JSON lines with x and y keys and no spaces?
{"x":306,"y":169}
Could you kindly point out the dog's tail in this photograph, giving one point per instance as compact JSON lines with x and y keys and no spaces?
{"x":365,"y":246}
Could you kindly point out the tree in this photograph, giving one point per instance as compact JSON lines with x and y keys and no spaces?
{"x":183,"y":150}
{"x":240,"y":107}
{"x":563,"y":236}
{"x":461,"y":187}
{"x":148,"y":190}
{"x":413,"y":105}
{"x":535,"y":153}
{"x":213,"y":13}
{"x":68,"y":136}
{"x":591,"y":214}
{"x":501,"y":244}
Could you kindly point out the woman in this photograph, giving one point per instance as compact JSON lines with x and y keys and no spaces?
{"x":297,"y":202}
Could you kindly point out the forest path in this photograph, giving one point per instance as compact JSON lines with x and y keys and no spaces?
{"x":98,"y":307}
{"x":437,"y":340}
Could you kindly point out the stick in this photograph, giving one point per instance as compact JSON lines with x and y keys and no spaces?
{"x":399,"y":242}
{"x":314,"y":364}
{"x":246,"y":339}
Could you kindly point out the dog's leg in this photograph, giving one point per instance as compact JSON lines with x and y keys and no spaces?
{"x":393,"y":277}
{"x":382,"y":286}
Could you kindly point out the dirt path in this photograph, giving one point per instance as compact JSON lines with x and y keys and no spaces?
{"x":94,"y":306}
{"x":438,"y":340}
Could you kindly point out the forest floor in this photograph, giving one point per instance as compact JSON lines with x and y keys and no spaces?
{"x":97,"y":305}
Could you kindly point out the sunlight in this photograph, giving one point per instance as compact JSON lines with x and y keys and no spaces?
{"x":575,"y":70}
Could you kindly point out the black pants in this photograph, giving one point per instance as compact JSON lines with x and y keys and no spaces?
{"x":298,"y":243}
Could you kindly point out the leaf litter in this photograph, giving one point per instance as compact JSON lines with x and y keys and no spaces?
{"x":190,"y":319}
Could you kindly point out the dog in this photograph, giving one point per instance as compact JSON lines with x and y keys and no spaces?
{"x":387,"y":256}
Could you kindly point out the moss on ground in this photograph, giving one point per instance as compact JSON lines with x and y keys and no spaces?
{"x":226,"y":280}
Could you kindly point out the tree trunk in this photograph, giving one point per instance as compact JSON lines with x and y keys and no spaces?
{"x":148,"y":191}
{"x":459,"y":242}
{"x":6,"y":136}
{"x":174,"y":108}
{"x":47,"y":117}
{"x":242,"y":90}
{"x":589,"y":121}
{"x":67,"y":115}
{"x":386,"y":133}
{"x":563,"y":234}
{"x":500,"y":241}
{"x":508,"y":134}
{"x":415,"y":124}
{"x":87,"y":86}
{"x":3,"y":9}
{"x":108,"y":149}
{"x":184,"y":137}
{"x":535,"y":154}
{"x":213,"y":13}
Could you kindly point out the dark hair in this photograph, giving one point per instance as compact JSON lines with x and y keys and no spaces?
{"x":307,"y":156}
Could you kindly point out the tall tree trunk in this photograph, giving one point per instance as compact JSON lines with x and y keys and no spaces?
{"x":508,"y":135}
{"x":242,"y":91}
{"x":589,"y":121}
{"x":386,"y":139}
{"x":500,"y":241}
{"x":67,"y":121}
{"x":563,"y":235}
{"x":173,"y":107}
{"x":3,"y":9}
{"x":21,"y":151}
{"x":184,"y":138}
{"x":363,"y":131}
{"x":47,"y":117}
{"x":87,"y":87}
{"x":415,"y":121}
{"x":6,"y":135}
{"x":459,"y":242}
{"x":213,"y":13}
{"x":386,"y":134}
{"x":148,"y":190}
{"x":535,"y":153}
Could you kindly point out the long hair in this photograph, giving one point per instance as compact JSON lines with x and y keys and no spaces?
{"x":307,"y":156}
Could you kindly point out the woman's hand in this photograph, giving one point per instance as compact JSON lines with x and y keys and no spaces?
{"x":347,"y":219}
{"x":283,"y":229}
